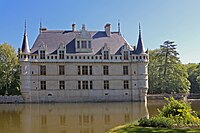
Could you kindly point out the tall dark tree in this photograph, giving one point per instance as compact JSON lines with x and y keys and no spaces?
{"x":9,"y":70}
{"x":166,"y":73}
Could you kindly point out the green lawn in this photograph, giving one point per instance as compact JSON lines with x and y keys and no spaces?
{"x":130,"y":128}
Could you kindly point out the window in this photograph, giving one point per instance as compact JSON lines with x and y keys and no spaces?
{"x":105,"y":55}
{"x":89,"y":44}
{"x":61,"y":54}
{"x":61,"y":70}
{"x":105,"y":70}
{"x":125,"y":55}
{"x":43,"y":85}
{"x":61,"y":85}
{"x":126,"y":84}
{"x":125,"y":70}
{"x":91,"y":85}
{"x":79,"y":70}
{"x":78,"y":44}
{"x":84,"y":70}
{"x":42,"y":54}
{"x":42,"y":70}
{"x":85,"y":84}
{"x":79,"y":85}
{"x":90,"y":70}
{"x":84,"y":44}
{"x":106,"y":84}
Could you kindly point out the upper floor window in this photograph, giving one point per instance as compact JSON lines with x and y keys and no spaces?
{"x":42,"y":70}
{"x":125,"y":70}
{"x":61,"y":70}
{"x":61,"y":54}
{"x":84,"y":70}
{"x":43,"y":85}
{"x":105,"y":70}
{"x":105,"y":55}
{"x":42,"y":54}
{"x":84,"y":44}
{"x":90,"y":67}
{"x":125,"y":55}
{"x":79,"y":70}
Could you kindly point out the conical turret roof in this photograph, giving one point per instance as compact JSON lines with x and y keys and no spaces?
{"x":140,"y":46}
{"x":25,"y":46}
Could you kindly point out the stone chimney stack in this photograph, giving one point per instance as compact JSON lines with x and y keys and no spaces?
{"x":107,"y":29}
{"x":73,"y":27}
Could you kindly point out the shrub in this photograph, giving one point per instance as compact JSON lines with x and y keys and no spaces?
{"x":174,"y":114}
{"x":156,"y":121}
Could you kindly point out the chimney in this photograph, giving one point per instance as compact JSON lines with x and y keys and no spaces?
{"x":107,"y":29}
{"x":73,"y":27}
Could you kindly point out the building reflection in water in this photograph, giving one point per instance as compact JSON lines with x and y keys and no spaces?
{"x":68,"y":118}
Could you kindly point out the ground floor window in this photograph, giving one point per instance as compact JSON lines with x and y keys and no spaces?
{"x":43,"y":85}
{"x":126,"y":84}
{"x":61,"y":85}
{"x":106,"y":84}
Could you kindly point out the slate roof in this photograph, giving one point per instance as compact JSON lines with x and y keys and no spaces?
{"x":53,"y":38}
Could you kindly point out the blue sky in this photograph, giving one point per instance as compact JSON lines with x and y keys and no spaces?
{"x":177,"y":20}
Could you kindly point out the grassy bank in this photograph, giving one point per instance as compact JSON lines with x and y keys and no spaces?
{"x":131,"y":128}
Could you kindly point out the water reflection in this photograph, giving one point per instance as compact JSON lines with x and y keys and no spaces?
{"x":68,"y":118}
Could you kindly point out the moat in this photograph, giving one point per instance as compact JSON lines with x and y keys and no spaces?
{"x":74,"y":117}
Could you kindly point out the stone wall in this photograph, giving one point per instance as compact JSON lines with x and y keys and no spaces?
{"x":11,"y":99}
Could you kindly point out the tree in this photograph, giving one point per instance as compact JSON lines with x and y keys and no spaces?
{"x":194,"y":76}
{"x":9,"y":70}
{"x":166,"y":73}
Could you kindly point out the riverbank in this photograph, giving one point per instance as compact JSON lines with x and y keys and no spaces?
{"x":11,"y":99}
{"x":131,"y":128}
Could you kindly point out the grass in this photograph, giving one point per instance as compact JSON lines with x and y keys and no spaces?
{"x":131,"y":128}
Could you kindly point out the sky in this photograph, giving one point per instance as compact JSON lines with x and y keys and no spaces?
{"x":175,"y":20}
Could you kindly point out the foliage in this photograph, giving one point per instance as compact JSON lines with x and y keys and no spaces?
{"x":174,"y":114}
{"x":130,"y":128}
{"x":194,"y":77}
{"x":180,"y":112}
{"x":9,"y":71}
{"x":156,"y":121}
{"x":166,"y":73}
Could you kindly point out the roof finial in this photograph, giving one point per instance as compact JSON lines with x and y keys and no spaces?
{"x":40,"y":23}
{"x":25,"y":27}
{"x":118,"y":26}
{"x":139,"y":29}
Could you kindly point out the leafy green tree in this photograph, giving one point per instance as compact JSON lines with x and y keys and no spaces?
{"x":194,"y":76}
{"x":9,"y":71}
{"x":166,"y":73}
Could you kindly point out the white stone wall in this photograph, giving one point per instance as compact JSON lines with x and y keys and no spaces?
{"x":137,"y":77}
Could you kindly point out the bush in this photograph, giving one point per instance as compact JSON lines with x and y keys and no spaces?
{"x":156,"y":122}
{"x":174,"y":114}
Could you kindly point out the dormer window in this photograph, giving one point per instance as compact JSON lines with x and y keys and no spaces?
{"x":78,"y":44}
{"x":84,"y":44}
{"x":89,"y":44}
{"x":42,"y":54}
{"x":106,"y":55}
{"x":61,"y":54}
{"x":125,"y":55}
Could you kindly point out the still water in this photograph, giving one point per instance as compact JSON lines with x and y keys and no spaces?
{"x":73,"y":117}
